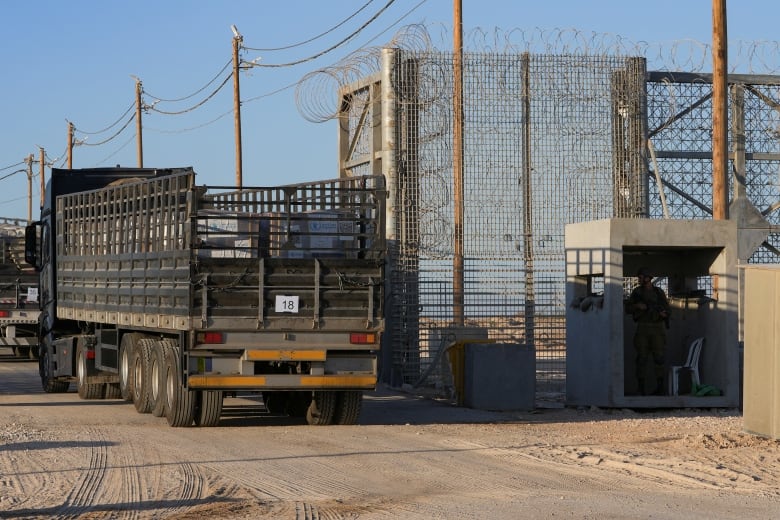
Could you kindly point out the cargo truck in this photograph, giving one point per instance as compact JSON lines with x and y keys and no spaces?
{"x":18,"y":293}
{"x":172,"y":295}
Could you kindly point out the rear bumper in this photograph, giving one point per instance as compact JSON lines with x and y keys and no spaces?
{"x":282,"y":382}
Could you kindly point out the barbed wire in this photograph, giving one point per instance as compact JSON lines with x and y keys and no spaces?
{"x":317,"y":92}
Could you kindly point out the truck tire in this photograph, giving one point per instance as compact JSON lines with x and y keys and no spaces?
{"x":125,"y":365}
{"x":112,"y":391}
{"x":181,"y":402}
{"x":348,"y":407}
{"x":157,"y":380}
{"x":49,"y":383}
{"x":208,"y":408}
{"x":141,"y":379}
{"x":85,"y":369}
{"x":322,"y":408}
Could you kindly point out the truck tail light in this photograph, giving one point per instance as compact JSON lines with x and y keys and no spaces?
{"x":362,"y":338}
{"x":5,"y":314}
{"x":212,"y":338}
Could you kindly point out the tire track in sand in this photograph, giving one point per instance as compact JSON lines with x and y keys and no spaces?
{"x":82,"y":496}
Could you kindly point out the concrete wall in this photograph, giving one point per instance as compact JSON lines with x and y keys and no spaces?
{"x":762,"y":350}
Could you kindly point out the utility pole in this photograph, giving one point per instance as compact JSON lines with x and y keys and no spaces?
{"x":458,"y":298}
{"x":29,"y":187}
{"x":237,"y":40}
{"x":720,"y":133}
{"x":138,"y":123}
{"x":70,"y":145}
{"x":43,"y":182}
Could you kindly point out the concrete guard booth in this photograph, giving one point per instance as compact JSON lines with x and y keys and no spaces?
{"x":695,"y":262}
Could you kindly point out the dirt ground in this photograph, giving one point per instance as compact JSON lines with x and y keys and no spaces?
{"x":410,"y":457}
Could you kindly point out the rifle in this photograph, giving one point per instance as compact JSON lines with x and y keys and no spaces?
{"x":659,"y":309}
{"x":652,"y":307}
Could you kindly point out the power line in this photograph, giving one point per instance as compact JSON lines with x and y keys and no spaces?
{"x":183,"y":130}
{"x":122,"y":147}
{"x":214,"y":93}
{"x":291,"y":85}
{"x":104,"y":141}
{"x":273,"y":92}
{"x":112,"y":125}
{"x":329,"y":49}
{"x":50,"y":161}
{"x":197,"y":91}
{"x":315,"y":37}
{"x":12,"y":166}
{"x":13,"y":200}
{"x":13,"y":173}
{"x":407,"y":13}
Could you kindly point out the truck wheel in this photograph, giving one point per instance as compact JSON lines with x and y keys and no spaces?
{"x":157,"y":380}
{"x":85,"y":368}
{"x":208,"y":408}
{"x":181,"y":402}
{"x":112,"y":391}
{"x":125,"y":361}
{"x":140,"y":366}
{"x":322,"y":408}
{"x":49,"y":383}
{"x":348,"y":407}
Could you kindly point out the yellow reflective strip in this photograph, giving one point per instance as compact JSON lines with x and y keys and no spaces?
{"x":327,"y":381}
{"x":226,"y":381}
{"x":285,"y":355}
{"x":281,"y":381}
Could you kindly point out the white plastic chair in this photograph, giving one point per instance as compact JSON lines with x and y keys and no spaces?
{"x":691,"y":364}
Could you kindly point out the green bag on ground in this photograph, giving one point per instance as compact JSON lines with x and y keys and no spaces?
{"x":705,"y":390}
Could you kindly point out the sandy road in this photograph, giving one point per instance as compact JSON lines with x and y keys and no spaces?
{"x":61,"y":457}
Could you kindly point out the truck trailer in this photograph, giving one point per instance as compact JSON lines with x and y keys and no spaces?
{"x":18,"y":293}
{"x":172,"y":295}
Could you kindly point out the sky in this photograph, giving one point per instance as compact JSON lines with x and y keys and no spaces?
{"x":77,"y":62}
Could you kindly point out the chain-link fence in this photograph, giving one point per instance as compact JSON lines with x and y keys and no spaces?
{"x":547,"y":140}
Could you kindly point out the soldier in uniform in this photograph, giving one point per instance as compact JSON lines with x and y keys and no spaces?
{"x":650,"y":309}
